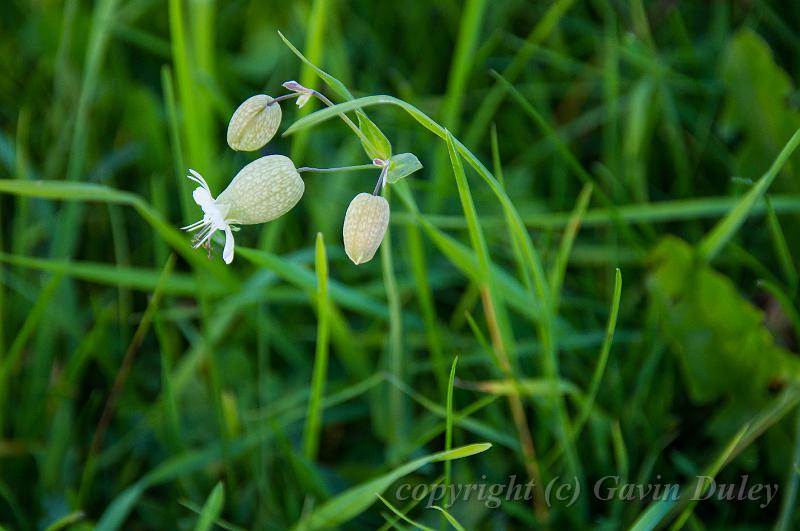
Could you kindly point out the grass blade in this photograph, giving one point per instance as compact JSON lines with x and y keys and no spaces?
{"x":331,"y":81}
{"x":396,"y":354}
{"x":402,"y":516}
{"x":713,"y":242}
{"x":349,"y":504}
{"x":212,"y":508}
{"x":311,"y":437}
{"x":448,"y":434}
{"x":66,"y":521}
{"x":449,"y":518}
{"x":602,"y":360}
{"x":571,"y":231}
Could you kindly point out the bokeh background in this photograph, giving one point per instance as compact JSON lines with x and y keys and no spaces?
{"x":146,"y":387}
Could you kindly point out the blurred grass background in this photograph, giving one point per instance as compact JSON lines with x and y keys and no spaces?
{"x":136,"y":375}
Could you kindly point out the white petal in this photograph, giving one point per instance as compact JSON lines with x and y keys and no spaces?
{"x":227,"y":251}
{"x":196,"y":177}
{"x":202,"y":197}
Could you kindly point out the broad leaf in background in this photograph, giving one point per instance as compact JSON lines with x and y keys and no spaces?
{"x":726,"y":352}
{"x":754,"y":81}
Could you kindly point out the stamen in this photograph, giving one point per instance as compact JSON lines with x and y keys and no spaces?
{"x":194,"y":226}
{"x":196,"y":177}
{"x":204,"y":236}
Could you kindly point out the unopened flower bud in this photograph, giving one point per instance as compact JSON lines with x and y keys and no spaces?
{"x":365,"y":224}
{"x":254,"y":123}
{"x":305,"y":93}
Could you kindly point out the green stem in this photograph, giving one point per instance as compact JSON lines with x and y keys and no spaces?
{"x":341,"y":168}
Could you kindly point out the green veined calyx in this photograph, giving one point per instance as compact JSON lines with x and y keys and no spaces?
{"x":262,"y":191}
{"x":365,"y":224}
{"x":254,"y":123}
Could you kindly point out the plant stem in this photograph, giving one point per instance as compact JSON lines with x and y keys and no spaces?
{"x":285,"y":97}
{"x":331,"y":170}
{"x":381,"y":179}
{"x":329,"y":103}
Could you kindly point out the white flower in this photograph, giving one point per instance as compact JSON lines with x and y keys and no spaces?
{"x":254,"y":123}
{"x":365,"y":224}
{"x":214,"y":218}
{"x":262,"y":191}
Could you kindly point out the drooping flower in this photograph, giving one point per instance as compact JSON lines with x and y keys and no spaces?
{"x":254,"y":123}
{"x":262,"y":191}
{"x":365,"y":224}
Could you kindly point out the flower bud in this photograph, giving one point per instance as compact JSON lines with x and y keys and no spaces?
{"x":254,"y":123}
{"x":262,"y":191}
{"x":364,"y":226}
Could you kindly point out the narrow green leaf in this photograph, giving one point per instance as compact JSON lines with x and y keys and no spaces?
{"x":375,"y":143}
{"x":311,"y":438}
{"x":332,"y":82}
{"x":567,"y":241}
{"x":84,"y":192}
{"x":565,"y":152}
{"x":395,"y":354}
{"x":655,"y":515}
{"x":463,"y":451}
{"x":448,"y":433}
{"x":301,"y":277}
{"x":197,"y":509}
{"x":113,"y":275}
{"x":211,"y":509}
{"x":66,"y":521}
{"x":449,"y":517}
{"x":347,"y":505}
{"x":662,"y":511}
{"x":780,"y":244}
{"x":402,"y":516}
{"x":789,"y":502}
{"x":602,"y":360}
{"x":725,"y":229}
{"x":710,"y":473}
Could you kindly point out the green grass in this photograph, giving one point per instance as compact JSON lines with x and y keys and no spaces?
{"x":565,"y":146}
{"x":311,"y":439}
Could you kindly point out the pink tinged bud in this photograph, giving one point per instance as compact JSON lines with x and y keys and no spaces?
{"x":365,"y":224}
{"x":254,"y":123}
{"x":294,"y":86}
{"x":262,"y":191}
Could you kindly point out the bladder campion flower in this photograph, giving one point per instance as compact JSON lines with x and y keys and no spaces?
{"x":254,"y":123}
{"x":365,"y":224}
{"x":262,"y":191}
